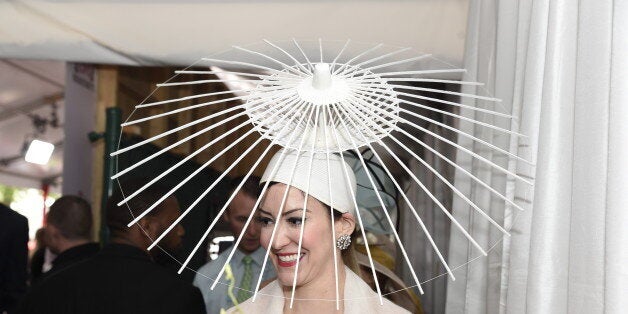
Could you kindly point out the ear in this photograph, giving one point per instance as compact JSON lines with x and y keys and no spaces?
{"x":149,"y":225}
{"x":52,"y":233}
{"x":53,"y":237}
{"x":345,"y":225}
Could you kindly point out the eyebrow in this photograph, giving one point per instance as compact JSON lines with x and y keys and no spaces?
{"x":286,"y":213}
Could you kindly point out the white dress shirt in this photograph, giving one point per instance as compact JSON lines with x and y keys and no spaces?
{"x":218,"y":298}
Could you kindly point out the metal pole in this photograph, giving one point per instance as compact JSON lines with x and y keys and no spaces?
{"x":112,"y":136}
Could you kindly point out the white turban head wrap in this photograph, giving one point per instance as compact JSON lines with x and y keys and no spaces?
{"x":339,"y":197}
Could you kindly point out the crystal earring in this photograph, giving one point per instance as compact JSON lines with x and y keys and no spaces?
{"x":343,"y":242}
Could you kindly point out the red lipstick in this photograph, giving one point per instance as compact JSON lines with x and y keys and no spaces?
{"x":287,"y":259}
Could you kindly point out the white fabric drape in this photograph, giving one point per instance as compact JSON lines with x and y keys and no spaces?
{"x":561,"y":67}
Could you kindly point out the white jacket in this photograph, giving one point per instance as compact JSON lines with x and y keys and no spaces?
{"x":359,"y":298}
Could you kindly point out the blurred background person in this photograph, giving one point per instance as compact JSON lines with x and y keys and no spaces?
{"x":13,"y":258}
{"x":41,"y":260}
{"x":69,"y":232}
{"x":122,"y":277}
{"x":36,"y":261}
{"x":247,"y":260}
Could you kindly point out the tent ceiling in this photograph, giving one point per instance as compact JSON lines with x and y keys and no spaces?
{"x":181,"y":32}
{"x":28,"y":87}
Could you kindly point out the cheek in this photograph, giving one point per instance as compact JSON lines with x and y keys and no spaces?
{"x":236,"y":226}
{"x":264,"y":237}
{"x":316,"y":237}
{"x":240,"y":226}
{"x":172,"y":239}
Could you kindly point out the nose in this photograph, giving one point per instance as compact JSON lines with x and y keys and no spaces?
{"x":282,"y":237}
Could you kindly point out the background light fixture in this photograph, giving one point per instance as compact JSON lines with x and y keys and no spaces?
{"x":39,"y":152}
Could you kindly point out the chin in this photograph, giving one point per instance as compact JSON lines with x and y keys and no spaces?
{"x":285,"y":275}
{"x":285,"y":278}
{"x":250,"y":248}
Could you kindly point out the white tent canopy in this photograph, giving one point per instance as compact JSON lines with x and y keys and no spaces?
{"x":181,"y":32}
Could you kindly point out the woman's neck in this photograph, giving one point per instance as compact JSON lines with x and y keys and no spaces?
{"x":307,"y":297}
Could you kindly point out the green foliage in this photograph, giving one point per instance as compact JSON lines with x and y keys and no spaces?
{"x":7,"y":194}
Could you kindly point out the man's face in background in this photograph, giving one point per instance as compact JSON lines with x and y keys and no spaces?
{"x":236,"y":215}
{"x":173,"y":241}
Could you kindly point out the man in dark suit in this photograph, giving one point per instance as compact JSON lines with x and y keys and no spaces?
{"x":123,"y":278}
{"x":13,"y":258}
{"x":69,"y":232}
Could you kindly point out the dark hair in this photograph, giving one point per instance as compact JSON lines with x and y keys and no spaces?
{"x":251,"y":186}
{"x":348,"y":254}
{"x":72,"y":215}
{"x":119,"y":216}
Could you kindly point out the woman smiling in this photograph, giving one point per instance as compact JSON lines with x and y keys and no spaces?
{"x":310,"y":201}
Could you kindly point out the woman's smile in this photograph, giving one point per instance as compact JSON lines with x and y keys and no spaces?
{"x":288,"y":259}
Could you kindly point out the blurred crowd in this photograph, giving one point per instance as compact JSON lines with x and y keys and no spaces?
{"x":68,"y":272}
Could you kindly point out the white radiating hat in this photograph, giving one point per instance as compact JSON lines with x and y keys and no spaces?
{"x":350,"y":99}
{"x":339,"y":196}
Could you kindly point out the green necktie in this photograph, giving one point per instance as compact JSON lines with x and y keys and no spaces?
{"x":245,"y":284}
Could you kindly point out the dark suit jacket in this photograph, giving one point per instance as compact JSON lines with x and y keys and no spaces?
{"x":13,"y":257}
{"x":73,"y":256}
{"x":64,"y":260}
{"x":119,"y":279}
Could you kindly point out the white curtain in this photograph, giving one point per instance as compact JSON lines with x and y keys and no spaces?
{"x":561,"y":67}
